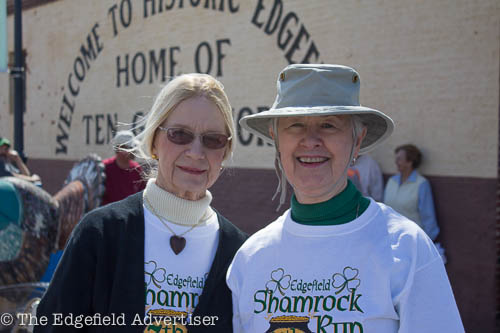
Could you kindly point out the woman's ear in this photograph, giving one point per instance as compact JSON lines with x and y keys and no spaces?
{"x":227,"y":153}
{"x":153,"y":145}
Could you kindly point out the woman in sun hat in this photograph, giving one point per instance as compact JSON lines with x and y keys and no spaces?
{"x":335,"y":261}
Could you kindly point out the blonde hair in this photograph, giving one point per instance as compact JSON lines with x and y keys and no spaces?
{"x":176,"y":91}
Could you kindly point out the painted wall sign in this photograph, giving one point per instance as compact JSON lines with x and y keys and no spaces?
{"x":99,"y":66}
{"x":157,"y":64}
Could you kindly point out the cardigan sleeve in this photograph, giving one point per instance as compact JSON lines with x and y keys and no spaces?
{"x":71,"y":289}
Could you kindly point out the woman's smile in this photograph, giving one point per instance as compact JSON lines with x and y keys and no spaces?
{"x":188,"y":170}
{"x":312,"y":161}
{"x":191,"y":170}
{"x":315,"y":153}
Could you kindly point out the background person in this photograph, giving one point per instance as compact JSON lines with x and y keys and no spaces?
{"x":335,"y":261}
{"x":12,"y":165}
{"x":371,"y":179}
{"x":354,"y":176}
{"x":123,"y":174}
{"x":409,"y":193}
{"x":164,"y":251}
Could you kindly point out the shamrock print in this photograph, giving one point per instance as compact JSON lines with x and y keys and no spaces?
{"x":348,"y":279}
{"x":278,"y":281}
{"x":154,"y":274}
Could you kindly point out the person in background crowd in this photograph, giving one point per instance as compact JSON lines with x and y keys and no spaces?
{"x":354,"y":176}
{"x":12,"y":165}
{"x":336,"y":261}
{"x":123,"y":174}
{"x":371,"y":179}
{"x":164,"y":252}
{"x":409,"y":193}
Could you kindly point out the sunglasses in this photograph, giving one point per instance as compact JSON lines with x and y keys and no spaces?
{"x":182,"y":136}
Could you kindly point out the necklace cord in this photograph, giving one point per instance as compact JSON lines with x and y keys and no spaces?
{"x":150,"y":206}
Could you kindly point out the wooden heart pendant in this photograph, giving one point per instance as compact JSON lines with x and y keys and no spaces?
{"x":177,"y":243}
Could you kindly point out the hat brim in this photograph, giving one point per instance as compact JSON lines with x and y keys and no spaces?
{"x":379,"y":126}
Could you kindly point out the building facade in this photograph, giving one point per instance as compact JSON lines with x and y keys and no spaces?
{"x":433,"y":66}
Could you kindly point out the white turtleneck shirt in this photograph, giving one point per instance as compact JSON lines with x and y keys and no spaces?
{"x":175,"y":281}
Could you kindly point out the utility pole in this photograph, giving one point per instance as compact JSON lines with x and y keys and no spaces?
{"x":18,"y":76}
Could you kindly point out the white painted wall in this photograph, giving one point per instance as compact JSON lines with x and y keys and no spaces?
{"x":433,"y":66}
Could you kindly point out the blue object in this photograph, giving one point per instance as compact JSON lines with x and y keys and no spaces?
{"x":51,"y":268}
{"x":11,"y":209}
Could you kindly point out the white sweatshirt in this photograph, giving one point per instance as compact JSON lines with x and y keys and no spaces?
{"x":378,"y":273}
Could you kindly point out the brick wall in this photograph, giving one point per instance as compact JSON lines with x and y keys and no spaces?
{"x":464,"y":207}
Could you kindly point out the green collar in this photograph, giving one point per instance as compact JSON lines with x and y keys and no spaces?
{"x":340,"y":209}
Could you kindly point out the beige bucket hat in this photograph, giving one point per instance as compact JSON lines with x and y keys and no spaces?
{"x":320,"y":90}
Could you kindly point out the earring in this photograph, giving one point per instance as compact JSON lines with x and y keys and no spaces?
{"x":154,"y":156}
{"x":353,"y":161}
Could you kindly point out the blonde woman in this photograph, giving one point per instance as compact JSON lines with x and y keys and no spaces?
{"x":162,"y":253}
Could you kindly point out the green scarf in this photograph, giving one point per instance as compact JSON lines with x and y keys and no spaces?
{"x":340,"y":209}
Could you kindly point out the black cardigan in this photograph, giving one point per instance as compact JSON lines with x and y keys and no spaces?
{"x":102,"y":271}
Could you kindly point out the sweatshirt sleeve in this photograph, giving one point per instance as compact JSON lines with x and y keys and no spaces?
{"x":428,"y":304}
{"x":233,"y":283}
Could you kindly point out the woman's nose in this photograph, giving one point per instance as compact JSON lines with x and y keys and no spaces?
{"x":196,"y":149}
{"x":311,"y":138}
